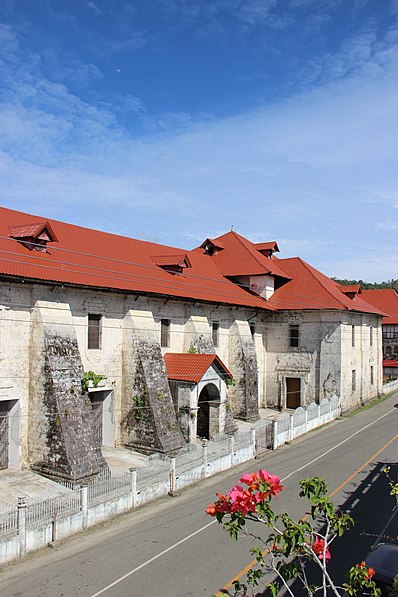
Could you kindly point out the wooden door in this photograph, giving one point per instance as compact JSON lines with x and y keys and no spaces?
{"x":293,"y":392}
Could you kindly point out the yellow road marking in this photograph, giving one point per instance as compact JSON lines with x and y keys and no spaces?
{"x":343,"y":484}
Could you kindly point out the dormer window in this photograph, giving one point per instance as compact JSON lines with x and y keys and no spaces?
{"x":34,"y":236}
{"x":173,"y":264}
{"x":267,"y":249}
{"x":211,"y":247}
{"x":351,"y":291}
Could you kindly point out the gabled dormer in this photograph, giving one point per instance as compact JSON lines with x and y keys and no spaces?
{"x":34,"y":237}
{"x":173,"y":264}
{"x":267,"y":249}
{"x":211,"y":247}
{"x":351,"y":291}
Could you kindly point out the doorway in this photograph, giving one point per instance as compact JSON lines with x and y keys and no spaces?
{"x":4,"y":433}
{"x":209,"y":394}
{"x":293,"y":392}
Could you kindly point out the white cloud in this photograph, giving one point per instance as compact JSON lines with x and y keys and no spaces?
{"x":318,"y":170}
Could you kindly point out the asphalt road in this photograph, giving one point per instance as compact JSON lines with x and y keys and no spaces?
{"x":172,"y":549}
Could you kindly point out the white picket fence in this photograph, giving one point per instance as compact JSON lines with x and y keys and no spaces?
{"x":289,"y":426}
{"x":35,"y":525}
{"x":391,"y":386}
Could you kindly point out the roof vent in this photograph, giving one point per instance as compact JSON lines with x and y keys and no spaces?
{"x":351,"y":291}
{"x":267,"y":249}
{"x":173,"y":264}
{"x":211,"y":247}
{"x":34,"y":236}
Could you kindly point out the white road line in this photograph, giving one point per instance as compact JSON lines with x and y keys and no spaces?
{"x":338,"y":445}
{"x":162,"y":553}
{"x":153,"y":559}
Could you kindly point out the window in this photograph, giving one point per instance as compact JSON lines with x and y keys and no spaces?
{"x":371,"y":375}
{"x":94,"y":331}
{"x":252,"y":328}
{"x":294,"y":334}
{"x":353,"y":336}
{"x":165,"y":332}
{"x":215,"y":332}
{"x":371,"y":336}
{"x":353,"y":380}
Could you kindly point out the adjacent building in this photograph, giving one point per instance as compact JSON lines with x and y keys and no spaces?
{"x":188,"y":341}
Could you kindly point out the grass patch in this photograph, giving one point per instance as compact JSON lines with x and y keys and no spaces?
{"x":367,"y":405}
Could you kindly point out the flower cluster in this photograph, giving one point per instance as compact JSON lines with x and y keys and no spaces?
{"x":259,"y":487}
{"x":318,"y":547}
{"x":367,"y":572}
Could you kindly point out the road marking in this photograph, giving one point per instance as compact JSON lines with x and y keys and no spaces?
{"x":339,"y":444}
{"x":159,"y":555}
{"x":343,"y":484}
{"x":162,"y":553}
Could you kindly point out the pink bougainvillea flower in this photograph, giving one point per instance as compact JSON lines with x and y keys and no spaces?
{"x":318,"y":548}
{"x":250,"y":479}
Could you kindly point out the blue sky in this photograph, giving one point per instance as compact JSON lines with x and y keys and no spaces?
{"x":172,"y":120}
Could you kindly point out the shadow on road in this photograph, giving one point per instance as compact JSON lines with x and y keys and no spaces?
{"x":370,"y":505}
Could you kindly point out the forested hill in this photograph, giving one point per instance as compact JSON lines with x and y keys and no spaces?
{"x":369,"y":285}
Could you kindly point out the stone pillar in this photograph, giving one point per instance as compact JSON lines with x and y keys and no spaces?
{"x":243,"y":396}
{"x":149,"y":421}
{"x":62,"y":437}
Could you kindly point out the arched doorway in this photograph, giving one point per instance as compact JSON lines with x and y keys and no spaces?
{"x":208,"y":394}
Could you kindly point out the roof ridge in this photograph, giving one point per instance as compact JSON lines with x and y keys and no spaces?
{"x":248,"y":249}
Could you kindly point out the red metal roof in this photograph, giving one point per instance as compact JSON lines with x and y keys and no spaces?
{"x":385,"y":299}
{"x":192,"y":367}
{"x":240,"y":257}
{"x":310,"y":289}
{"x":270,"y":246}
{"x":32,"y":231}
{"x":91,"y":258}
{"x":164,"y":260}
{"x":353,"y":289}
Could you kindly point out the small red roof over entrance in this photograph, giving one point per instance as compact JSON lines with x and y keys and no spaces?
{"x":192,"y":367}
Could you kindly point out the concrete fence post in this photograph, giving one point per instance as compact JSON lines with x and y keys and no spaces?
{"x":305,"y":419}
{"x":274,"y":434}
{"x":84,"y":505}
{"x":231,"y":442}
{"x":133,"y":488}
{"x":253,"y":438}
{"x":205,"y":458}
{"x":172,"y":476}
{"x":291,"y":428}
{"x":22,"y":525}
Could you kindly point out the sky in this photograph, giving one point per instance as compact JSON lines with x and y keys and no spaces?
{"x":174,"y":120}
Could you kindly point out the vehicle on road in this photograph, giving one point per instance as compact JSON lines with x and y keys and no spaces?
{"x":384,"y":559}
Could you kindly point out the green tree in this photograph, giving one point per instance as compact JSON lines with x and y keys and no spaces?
{"x":289,"y":545}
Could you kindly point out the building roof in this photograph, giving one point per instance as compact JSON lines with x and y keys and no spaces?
{"x":241,"y":257}
{"x":390,"y":363}
{"x":86,"y":257}
{"x":192,"y":367}
{"x":352,"y":289}
{"x":91,"y":258}
{"x":165,"y":260}
{"x":310,"y":289}
{"x":385,"y":299}
{"x":269,"y":246}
